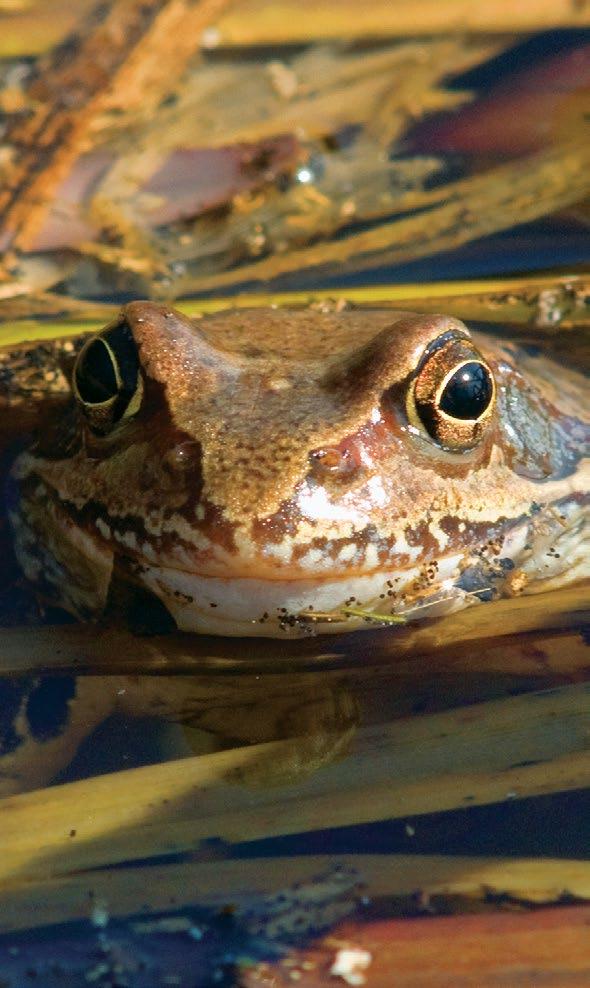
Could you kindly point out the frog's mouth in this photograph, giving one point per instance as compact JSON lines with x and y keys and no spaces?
{"x":537,"y":552}
{"x":275,"y":608}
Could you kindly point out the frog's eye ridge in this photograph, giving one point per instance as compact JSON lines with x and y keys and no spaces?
{"x":106,"y":380}
{"x":452,"y":395}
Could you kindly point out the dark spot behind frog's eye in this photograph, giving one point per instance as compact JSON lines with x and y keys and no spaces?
{"x":468,"y":392}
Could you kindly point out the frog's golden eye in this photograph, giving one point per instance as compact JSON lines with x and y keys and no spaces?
{"x":106,"y":380}
{"x":452,"y":395}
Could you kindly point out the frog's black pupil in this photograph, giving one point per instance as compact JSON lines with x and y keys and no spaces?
{"x":95,"y":375}
{"x":468,"y":392}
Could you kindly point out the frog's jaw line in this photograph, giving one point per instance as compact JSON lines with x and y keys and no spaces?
{"x":538,"y":552}
{"x":246,"y":606}
{"x":545,"y":549}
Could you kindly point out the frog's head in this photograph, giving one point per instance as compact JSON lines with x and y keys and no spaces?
{"x":256,"y":469}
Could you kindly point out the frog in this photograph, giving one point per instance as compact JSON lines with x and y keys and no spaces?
{"x":285,"y":472}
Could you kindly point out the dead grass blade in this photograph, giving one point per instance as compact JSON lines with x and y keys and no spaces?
{"x":543,"y":305}
{"x":239,"y":884}
{"x":463,"y":211}
{"x":256,"y":22}
{"x":126,"y":51}
{"x":522,"y":746}
{"x":106,"y":649}
{"x":33,"y":27}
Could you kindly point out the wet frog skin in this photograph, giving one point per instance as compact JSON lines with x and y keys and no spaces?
{"x":273,"y":472}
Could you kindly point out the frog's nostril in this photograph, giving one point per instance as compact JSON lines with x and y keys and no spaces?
{"x":333,"y":461}
{"x":175,"y":469}
{"x":183,"y":456}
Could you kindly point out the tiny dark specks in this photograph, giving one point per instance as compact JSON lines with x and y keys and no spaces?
{"x":47,"y":708}
{"x":506,"y":564}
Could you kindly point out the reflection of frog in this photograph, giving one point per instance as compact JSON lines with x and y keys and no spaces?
{"x":254,"y":470}
{"x":45,"y":719}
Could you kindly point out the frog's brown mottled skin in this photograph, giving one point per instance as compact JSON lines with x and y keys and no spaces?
{"x":272,"y":471}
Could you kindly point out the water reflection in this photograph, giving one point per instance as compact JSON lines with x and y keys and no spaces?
{"x":245,"y":795}
{"x":74,"y":726}
{"x":95,"y":709}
